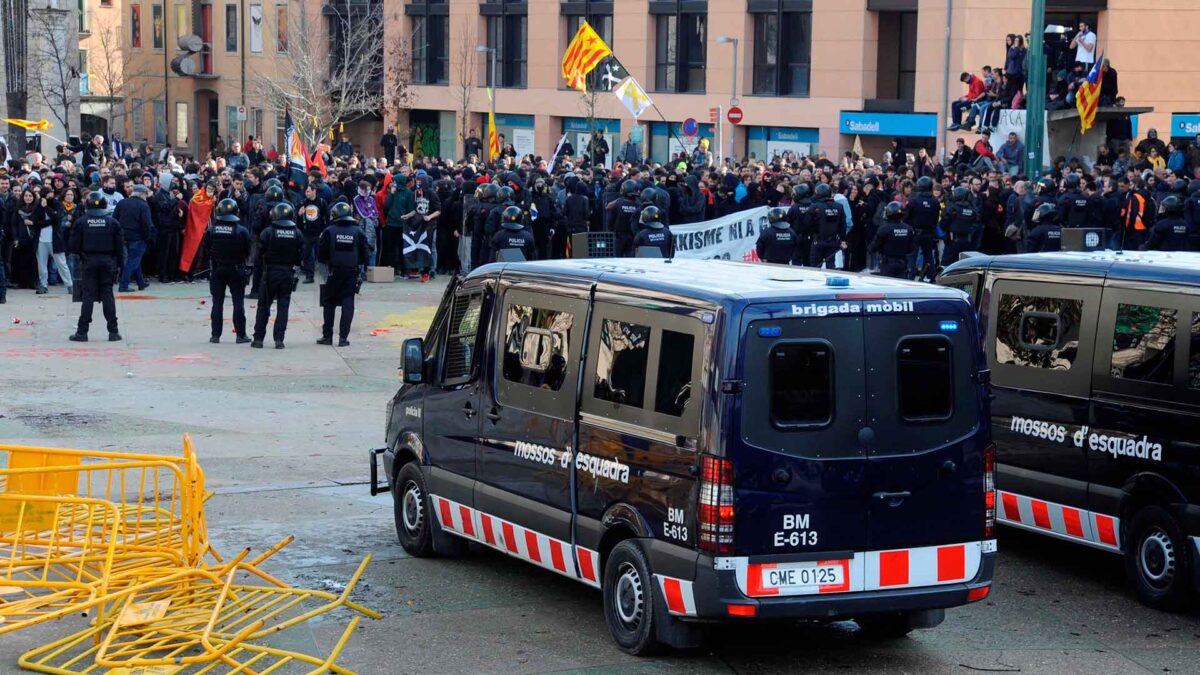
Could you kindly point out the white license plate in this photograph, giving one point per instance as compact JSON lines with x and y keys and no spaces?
{"x":805,"y":575}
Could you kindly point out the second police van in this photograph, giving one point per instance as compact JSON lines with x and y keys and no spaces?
{"x":704,"y":440}
{"x":1095,"y":360}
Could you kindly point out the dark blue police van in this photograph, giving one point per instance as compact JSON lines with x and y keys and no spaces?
{"x":1095,"y":360}
{"x":704,"y":440}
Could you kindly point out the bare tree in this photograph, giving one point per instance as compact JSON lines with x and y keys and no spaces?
{"x":465,"y":64}
{"x":323,"y":82}
{"x":53,"y":69}
{"x":15,"y":15}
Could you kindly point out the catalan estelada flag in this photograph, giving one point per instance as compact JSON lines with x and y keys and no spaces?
{"x":586,"y":50}
{"x":1087,"y":99}
{"x":40,"y":125}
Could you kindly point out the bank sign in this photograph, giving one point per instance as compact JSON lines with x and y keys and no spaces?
{"x":1185,"y":124}
{"x":888,"y":124}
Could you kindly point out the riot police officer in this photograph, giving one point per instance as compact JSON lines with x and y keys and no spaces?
{"x":777,"y":242}
{"x":960,"y":222}
{"x":895,"y":241}
{"x":1191,"y":214}
{"x":1076,"y":209}
{"x":494,"y":220}
{"x":485,"y":196}
{"x":827,"y":221}
{"x":97,"y":239}
{"x":229,"y":244}
{"x":343,"y":248}
{"x":1170,"y":231}
{"x":1046,"y":234}
{"x":281,"y":248}
{"x":654,"y":233}
{"x":621,"y":215}
{"x":259,"y":221}
{"x":648,"y":197}
{"x":797,"y":217}
{"x":922,"y":214}
{"x":513,"y":236}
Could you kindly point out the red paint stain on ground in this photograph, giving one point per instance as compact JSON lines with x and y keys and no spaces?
{"x":118,"y":354}
{"x":137,"y":297}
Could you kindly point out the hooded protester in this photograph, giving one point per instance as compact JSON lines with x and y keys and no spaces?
{"x":199,"y":212}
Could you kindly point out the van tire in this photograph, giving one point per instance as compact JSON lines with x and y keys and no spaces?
{"x":885,"y":626}
{"x":410,"y":503}
{"x":1157,"y":559}
{"x":629,"y":599}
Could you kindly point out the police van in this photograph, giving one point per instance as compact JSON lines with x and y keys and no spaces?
{"x":703,"y":440}
{"x":1095,"y":360}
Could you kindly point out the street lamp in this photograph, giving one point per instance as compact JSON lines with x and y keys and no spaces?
{"x":733,"y":100}
{"x":491,"y":51}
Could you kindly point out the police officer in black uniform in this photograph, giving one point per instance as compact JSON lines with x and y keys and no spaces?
{"x":778,"y":241}
{"x":960,"y":222}
{"x":485,"y":196}
{"x":797,"y":217}
{"x":654,"y":233}
{"x":513,"y":236}
{"x":343,"y":248}
{"x":922,"y":214}
{"x":229,"y":245}
{"x":622,"y":214}
{"x":895,"y":241}
{"x":1191,"y":214}
{"x":97,"y":239}
{"x":1170,"y":231}
{"x":1046,"y":234}
{"x":827,"y":221}
{"x":1076,"y":209}
{"x":281,"y":248}
{"x":503,"y":200}
{"x":259,"y":221}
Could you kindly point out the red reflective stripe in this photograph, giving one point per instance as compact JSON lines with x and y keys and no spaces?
{"x":893,"y":568}
{"x":444,"y":509}
{"x":1072,"y":521}
{"x":951,"y":563}
{"x":488,"y":535}
{"x":468,"y":525}
{"x":510,"y":538}
{"x":531,"y":544}
{"x":674,"y":595}
{"x":1041,"y":514}
{"x":1105,"y":530}
{"x":1011,"y":511}
{"x":556,"y":556}
{"x":754,"y":575}
{"x":585,"y":563}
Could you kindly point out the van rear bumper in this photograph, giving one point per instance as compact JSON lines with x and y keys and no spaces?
{"x":715,"y":590}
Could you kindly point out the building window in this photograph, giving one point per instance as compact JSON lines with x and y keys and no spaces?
{"x":181,"y":21}
{"x":138,"y":120}
{"x":157,"y":29}
{"x":256,"y":29}
{"x":679,"y":46}
{"x":181,"y":124}
{"x":160,"y":122}
{"x":281,"y":28}
{"x":507,"y":30}
{"x":782,"y":52}
{"x":430,"y":22}
{"x":135,"y":26}
{"x":84,"y":86}
{"x":206,"y":34}
{"x":599,"y":16}
{"x":83,"y":16}
{"x":231,"y":28}
{"x":106,"y":3}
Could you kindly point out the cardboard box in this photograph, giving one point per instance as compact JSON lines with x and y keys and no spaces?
{"x":381,"y":275}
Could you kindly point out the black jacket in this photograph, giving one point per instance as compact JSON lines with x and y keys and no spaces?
{"x":136,"y":222}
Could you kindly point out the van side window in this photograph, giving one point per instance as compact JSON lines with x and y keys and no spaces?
{"x":624,"y":351}
{"x":460,"y":358}
{"x":801,"y":384}
{"x":1144,"y":343}
{"x":537,"y":342}
{"x":925,"y":378}
{"x":674,"y":373}
{"x":1038,"y":332}
{"x":1194,"y":354}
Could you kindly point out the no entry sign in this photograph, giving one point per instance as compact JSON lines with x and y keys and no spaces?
{"x":734,"y":115}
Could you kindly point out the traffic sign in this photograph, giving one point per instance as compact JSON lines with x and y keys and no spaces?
{"x":734,"y":115}
{"x":241,"y":113}
{"x":690,"y":127}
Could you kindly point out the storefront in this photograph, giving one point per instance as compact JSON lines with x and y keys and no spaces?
{"x":579,"y":133}
{"x":666,"y":144}
{"x":766,"y":143}
{"x":517,"y":130}
{"x":915,"y":130}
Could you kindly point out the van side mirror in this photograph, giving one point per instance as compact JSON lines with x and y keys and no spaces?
{"x":413,"y":364}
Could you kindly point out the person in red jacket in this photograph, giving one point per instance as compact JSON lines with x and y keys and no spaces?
{"x":975,"y":92}
{"x":984,"y":157}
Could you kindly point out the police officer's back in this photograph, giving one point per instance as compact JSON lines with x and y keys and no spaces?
{"x":960,"y":221}
{"x":827,"y":221}
{"x":1170,"y":231}
{"x":622,"y":215}
{"x":281,"y":248}
{"x":797,"y":217}
{"x":922,"y":213}
{"x":1076,"y":209}
{"x":894,"y":241}
{"x":1046,"y":234}
{"x":229,"y":244}
{"x":654,"y":233}
{"x":98,"y":240}
{"x":343,"y":247}
{"x":513,"y":235}
{"x":777,"y":243}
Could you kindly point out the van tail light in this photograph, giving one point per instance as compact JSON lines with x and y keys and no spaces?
{"x":716,"y":505}
{"x":989,"y":492}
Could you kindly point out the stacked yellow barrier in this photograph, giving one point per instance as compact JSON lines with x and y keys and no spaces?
{"x":122,"y":538}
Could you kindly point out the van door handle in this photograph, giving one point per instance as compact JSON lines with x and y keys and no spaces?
{"x":888,"y":496}
{"x":468,"y":411}
{"x":494,"y":415}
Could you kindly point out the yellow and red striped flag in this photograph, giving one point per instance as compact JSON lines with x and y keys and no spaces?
{"x":584,"y":53}
{"x":40,"y":125}
{"x":1087,"y":99}
{"x":493,"y":137}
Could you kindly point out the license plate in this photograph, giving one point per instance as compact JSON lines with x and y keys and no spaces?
{"x":791,"y":577}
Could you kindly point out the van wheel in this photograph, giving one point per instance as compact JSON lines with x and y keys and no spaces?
{"x":1156,"y":559}
{"x":410,"y":501}
{"x":629,"y":599}
{"x":885,"y":626}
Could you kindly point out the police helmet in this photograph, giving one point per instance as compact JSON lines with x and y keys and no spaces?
{"x":95,"y":200}
{"x":272,"y":181}
{"x":893,"y":211}
{"x":490,"y":190}
{"x":648,"y":196}
{"x":1071,"y":181}
{"x":651,"y":218}
{"x":1046,"y":212}
{"x":823,"y":191}
{"x":961,"y":194}
{"x":481,"y":191}
{"x":800,"y":192}
{"x":1194,"y":187}
{"x":777,"y":215}
{"x":1180,"y":186}
{"x":283,"y":213}
{"x":504,"y":193}
{"x":1171,"y":205}
{"x":511,"y":218}
{"x":275,"y":193}
{"x":629,"y":188}
{"x":342,"y":212}
{"x":1046,"y":186}
{"x":227,"y":211}
{"x":924,"y":184}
